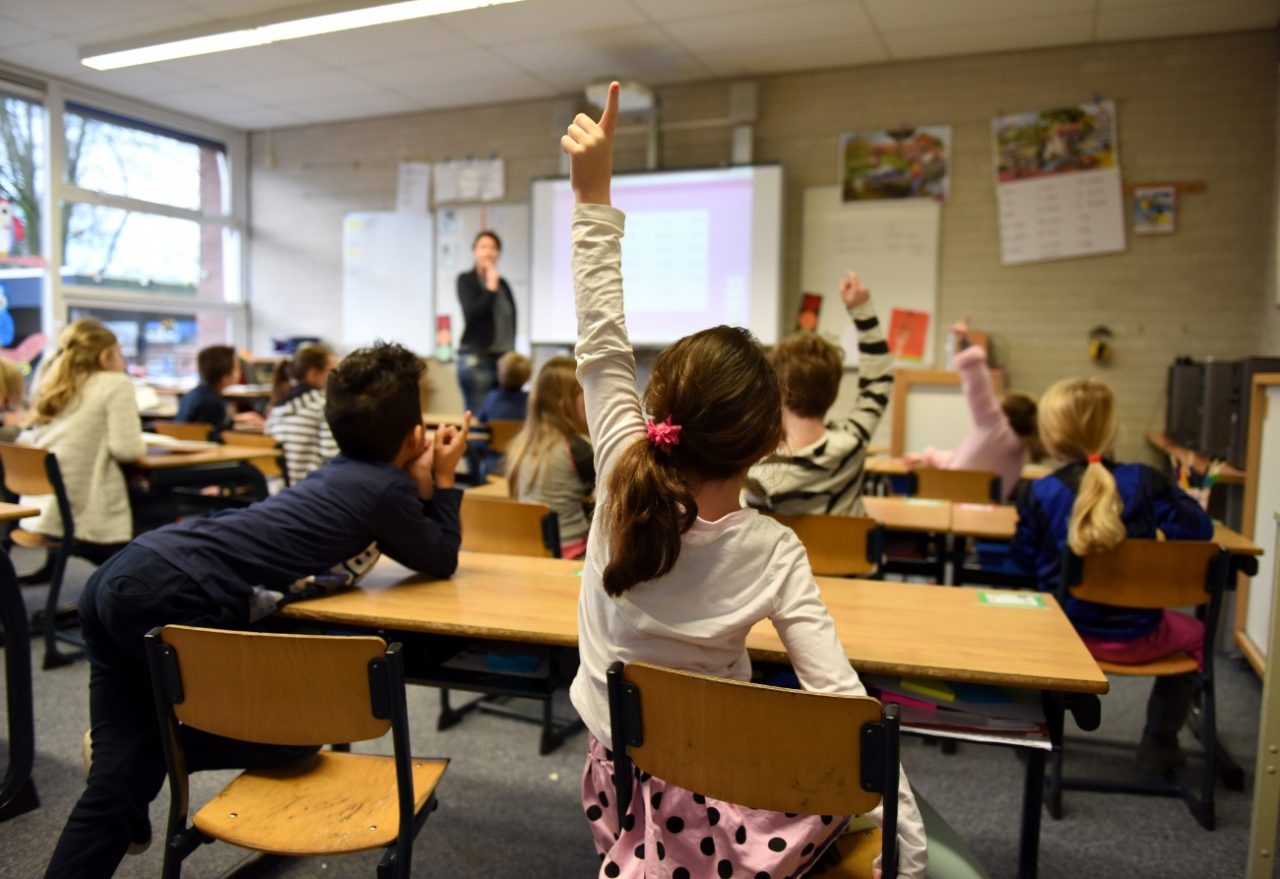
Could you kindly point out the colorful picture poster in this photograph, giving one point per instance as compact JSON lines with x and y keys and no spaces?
{"x":1058,"y":183}
{"x":908,"y":334}
{"x":896,"y":163}
{"x":810,"y":309}
{"x":1154,"y":210}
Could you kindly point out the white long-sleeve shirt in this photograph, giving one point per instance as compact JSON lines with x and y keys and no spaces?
{"x":92,"y":437}
{"x":731,"y":573}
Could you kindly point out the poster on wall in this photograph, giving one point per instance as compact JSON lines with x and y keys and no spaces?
{"x":1058,"y":183}
{"x":896,"y":163}
{"x":1155,"y":210}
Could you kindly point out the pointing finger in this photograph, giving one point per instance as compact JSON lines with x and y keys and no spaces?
{"x":609,"y":119}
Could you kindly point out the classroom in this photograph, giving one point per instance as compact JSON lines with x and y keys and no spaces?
{"x":912,"y":508}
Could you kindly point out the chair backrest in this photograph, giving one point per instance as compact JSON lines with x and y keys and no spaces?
{"x":957,"y":486}
{"x":269,"y":467}
{"x":509,"y":527}
{"x":184,"y":430}
{"x":763,"y":747}
{"x":501,"y":433}
{"x":25,"y":470}
{"x":838,"y":546}
{"x":274,"y":689}
{"x":1149,"y":573}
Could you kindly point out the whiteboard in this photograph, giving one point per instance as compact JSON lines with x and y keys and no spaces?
{"x":892,"y":245}
{"x":936,"y":416}
{"x":386,"y":279}
{"x":1257,"y":625}
{"x":456,"y":229}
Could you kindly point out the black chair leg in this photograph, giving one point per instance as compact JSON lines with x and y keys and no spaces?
{"x":1053,"y":796}
{"x":53,"y":657}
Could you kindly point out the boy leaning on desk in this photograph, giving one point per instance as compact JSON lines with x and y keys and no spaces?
{"x":392,"y":485}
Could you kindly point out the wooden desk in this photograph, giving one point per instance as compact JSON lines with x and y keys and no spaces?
{"x":14,"y":512}
{"x":161,"y":458}
{"x":892,"y":628}
{"x":496,"y":486}
{"x":909,"y":514}
{"x":887,"y":466}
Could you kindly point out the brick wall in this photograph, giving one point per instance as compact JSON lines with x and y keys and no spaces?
{"x":1201,"y":108}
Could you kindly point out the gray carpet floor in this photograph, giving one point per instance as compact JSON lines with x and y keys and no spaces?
{"x":507,"y":812}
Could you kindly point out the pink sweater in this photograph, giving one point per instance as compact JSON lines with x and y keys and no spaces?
{"x":991,"y":444}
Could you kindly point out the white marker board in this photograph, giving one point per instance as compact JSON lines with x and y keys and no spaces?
{"x":386,"y":279}
{"x":456,"y":229}
{"x":1257,"y":625}
{"x":891,"y":244}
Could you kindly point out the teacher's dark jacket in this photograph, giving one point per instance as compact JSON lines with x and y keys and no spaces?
{"x":477,"y":311}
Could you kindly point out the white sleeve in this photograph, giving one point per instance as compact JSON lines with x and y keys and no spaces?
{"x":124,"y":426}
{"x":606,"y":363}
{"x":818,"y":658}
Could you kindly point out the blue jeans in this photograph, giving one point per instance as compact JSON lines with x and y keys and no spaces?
{"x":477,"y":375}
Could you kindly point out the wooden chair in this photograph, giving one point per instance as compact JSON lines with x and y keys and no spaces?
{"x":501,"y":433}
{"x":184,"y":430}
{"x":957,"y":486}
{"x":1155,"y":574}
{"x":763,"y":747}
{"x":272,"y":468}
{"x":32,"y":471}
{"x":839,"y":546}
{"x":509,"y":527}
{"x":293,"y":690}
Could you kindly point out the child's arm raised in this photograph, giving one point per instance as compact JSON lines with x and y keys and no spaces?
{"x":875,"y":362}
{"x":606,"y":363}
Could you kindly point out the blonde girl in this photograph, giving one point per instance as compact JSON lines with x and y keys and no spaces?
{"x":550,"y":460}
{"x":1090,"y":505}
{"x":85,"y":413}
{"x":677,"y":571}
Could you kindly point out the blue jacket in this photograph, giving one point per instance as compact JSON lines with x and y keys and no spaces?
{"x":501,"y":404}
{"x":1151,"y":502}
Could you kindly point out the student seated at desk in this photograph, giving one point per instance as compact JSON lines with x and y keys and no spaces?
{"x":1091,"y":504}
{"x":85,"y":413}
{"x":296,"y":419}
{"x":219,"y":369}
{"x":508,"y":401}
{"x":676,"y":570}
{"x":1004,"y":431}
{"x":14,"y":415}
{"x":550,"y":461}
{"x":392,"y":486}
{"x":818,"y":468}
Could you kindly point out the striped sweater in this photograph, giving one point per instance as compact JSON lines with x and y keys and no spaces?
{"x":298,"y":423}
{"x":826,"y":476}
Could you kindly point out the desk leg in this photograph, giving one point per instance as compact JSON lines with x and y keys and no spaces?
{"x":18,"y":794}
{"x":1032,"y":801}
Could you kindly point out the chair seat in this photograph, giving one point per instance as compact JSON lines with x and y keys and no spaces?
{"x":34,"y":539}
{"x":333,"y":802}
{"x":1173,"y":664}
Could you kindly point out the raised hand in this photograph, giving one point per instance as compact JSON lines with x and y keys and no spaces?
{"x":960,"y":333}
{"x":450,"y":445}
{"x":853,"y":291}
{"x":491,"y":277}
{"x":590,"y":147}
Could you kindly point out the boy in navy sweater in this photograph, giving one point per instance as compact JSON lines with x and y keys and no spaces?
{"x":392,"y":485}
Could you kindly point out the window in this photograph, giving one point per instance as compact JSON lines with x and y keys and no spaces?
{"x":160,"y":344}
{"x":22,"y":197}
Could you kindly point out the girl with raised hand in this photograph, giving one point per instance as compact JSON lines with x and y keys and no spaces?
{"x":677,"y":571}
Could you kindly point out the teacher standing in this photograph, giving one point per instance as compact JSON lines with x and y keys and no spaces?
{"x":489,"y":311}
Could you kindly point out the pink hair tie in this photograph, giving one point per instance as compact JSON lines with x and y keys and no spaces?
{"x":663,"y":434}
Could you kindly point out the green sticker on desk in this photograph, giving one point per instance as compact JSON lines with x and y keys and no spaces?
{"x":1010,"y":599}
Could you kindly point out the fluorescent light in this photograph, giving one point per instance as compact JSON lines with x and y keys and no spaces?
{"x":261,"y":35}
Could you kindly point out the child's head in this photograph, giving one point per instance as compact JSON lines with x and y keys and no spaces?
{"x":374,"y":406}
{"x":84,"y":347}
{"x":809,"y":369}
{"x":1020,"y":410}
{"x":14,"y":384}
{"x":310,"y":365}
{"x":720,"y":390}
{"x":1078,"y":423}
{"x":555,"y":412}
{"x":514,"y":370}
{"x":218,"y":366}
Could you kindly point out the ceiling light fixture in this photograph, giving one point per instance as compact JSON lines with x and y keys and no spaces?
{"x":170,"y":48}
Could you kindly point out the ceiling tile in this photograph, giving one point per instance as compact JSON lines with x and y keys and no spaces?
{"x":257,"y":119}
{"x":1185,"y":18}
{"x":809,"y":55}
{"x":567,"y":80}
{"x":766,"y":27}
{"x":338,"y":107}
{"x":144,"y":83}
{"x":436,"y":70}
{"x":474,"y":92}
{"x":15,"y":33}
{"x":532,"y":19}
{"x":255,"y":64}
{"x":388,"y":42}
{"x":674,"y":10}
{"x":209,"y":102}
{"x":990,"y":37}
{"x":896,"y":15}
{"x":602,"y":50}
{"x":226,"y":9}
{"x":63,"y":17}
{"x":318,"y":85}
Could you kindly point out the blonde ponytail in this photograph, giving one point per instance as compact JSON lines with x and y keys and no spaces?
{"x":1077,"y":420}
{"x":80,"y":348}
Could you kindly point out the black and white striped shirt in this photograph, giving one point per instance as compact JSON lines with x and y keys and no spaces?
{"x":826,"y":476}
{"x":298,"y":423}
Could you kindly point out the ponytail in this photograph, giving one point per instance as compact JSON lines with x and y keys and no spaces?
{"x":1096,"y":525}
{"x":280,"y":383}
{"x":648,"y":510}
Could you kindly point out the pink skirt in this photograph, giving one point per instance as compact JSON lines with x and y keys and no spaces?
{"x":670,"y":833}
{"x":1176,"y":632}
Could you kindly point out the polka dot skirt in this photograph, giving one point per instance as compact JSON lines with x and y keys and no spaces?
{"x":671,"y":833}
